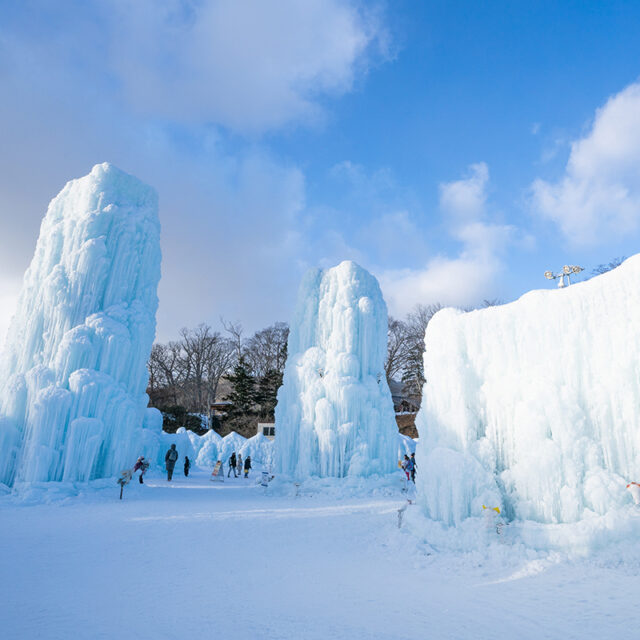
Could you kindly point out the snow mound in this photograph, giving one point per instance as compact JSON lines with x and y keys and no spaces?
{"x":534,"y":406}
{"x":231,"y":442}
{"x":72,"y":396}
{"x":334,"y":415}
{"x":260,"y":448}
{"x":209,"y":448}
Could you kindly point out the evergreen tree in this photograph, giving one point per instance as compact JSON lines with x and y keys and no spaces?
{"x":266,"y":395}
{"x":413,"y":375}
{"x":243,"y":394}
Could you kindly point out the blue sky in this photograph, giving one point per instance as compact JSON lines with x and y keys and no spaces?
{"x":455,"y":149}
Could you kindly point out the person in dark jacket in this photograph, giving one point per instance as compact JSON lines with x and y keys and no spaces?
{"x":413,"y":467}
{"x":187,"y":465}
{"x":142,"y":465}
{"x":247,"y":466}
{"x":170,"y":459}
{"x":232,"y":465}
{"x":410,"y":468}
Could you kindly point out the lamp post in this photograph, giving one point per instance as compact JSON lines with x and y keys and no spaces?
{"x":566,"y":272}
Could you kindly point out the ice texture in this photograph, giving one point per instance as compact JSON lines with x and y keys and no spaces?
{"x":534,"y":406}
{"x":335,"y":415}
{"x":72,"y":396}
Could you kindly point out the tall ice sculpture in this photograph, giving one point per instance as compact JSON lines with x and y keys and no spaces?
{"x":335,"y":415}
{"x":72,"y":400}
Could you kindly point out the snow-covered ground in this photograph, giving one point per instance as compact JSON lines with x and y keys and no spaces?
{"x":197,"y":559}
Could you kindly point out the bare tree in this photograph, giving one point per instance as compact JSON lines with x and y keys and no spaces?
{"x":207,"y":357}
{"x":417,"y":322}
{"x":397,"y":349}
{"x":266,"y":350}
{"x":603,"y":268}
{"x":166,"y":371}
{"x":235,"y":331}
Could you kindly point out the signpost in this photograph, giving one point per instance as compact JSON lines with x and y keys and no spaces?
{"x":217,"y":473}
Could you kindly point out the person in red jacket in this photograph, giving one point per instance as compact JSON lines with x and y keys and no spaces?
{"x":142,"y":465}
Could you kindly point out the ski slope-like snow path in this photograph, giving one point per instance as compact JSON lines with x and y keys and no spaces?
{"x":200,"y":560}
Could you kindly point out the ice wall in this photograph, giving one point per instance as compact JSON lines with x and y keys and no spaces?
{"x":72,"y":400}
{"x":534,"y":406}
{"x":335,"y":415}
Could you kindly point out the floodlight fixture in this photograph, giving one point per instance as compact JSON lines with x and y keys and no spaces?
{"x":566,"y":272}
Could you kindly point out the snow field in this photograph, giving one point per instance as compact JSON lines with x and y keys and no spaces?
{"x":194,"y":558}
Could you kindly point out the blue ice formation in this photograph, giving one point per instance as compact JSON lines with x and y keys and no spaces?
{"x":335,"y":416}
{"x":72,"y":395}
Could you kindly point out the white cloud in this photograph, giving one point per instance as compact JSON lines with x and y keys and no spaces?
{"x":598,"y":198}
{"x":234,"y":239}
{"x":471,"y":275}
{"x":466,"y":198}
{"x":250,"y":65}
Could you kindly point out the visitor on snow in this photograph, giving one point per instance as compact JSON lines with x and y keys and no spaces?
{"x":247,"y":466}
{"x":142,"y":465}
{"x":405,"y":466}
{"x":187,"y":466}
{"x":232,"y":465}
{"x":170,"y":459}
{"x":239,"y":464}
{"x":412,"y":467}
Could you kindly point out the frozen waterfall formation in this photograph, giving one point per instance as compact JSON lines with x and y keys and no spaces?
{"x":534,"y":406}
{"x":335,"y":415}
{"x":73,"y":399}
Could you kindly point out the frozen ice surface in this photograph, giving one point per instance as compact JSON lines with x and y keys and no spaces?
{"x":335,"y":415}
{"x":534,"y":406}
{"x":72,"y":400}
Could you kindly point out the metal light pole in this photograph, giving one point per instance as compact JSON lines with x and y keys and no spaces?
{"x":566,"y":272}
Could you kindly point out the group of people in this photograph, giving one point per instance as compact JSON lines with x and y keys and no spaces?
{"x":170,"y":459}
{"x":409,"y":467}
{"x":237,"y":465}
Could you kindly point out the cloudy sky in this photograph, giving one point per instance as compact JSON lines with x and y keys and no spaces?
{"x":456,"y":149}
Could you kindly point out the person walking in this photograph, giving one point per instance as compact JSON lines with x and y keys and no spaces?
{"x":170,"y":459}
{"x":247,"y":466}
{"x":142,"y":465}
{"x":413,"y":468}
{"x":410,"y":468}
{"x":239,"y":464}
{"x":232,"y":465}
{"x":187,"y":466}
{"x":405,"y":464}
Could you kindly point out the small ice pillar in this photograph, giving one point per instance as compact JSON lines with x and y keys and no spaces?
{"x":72,"y":395}
{"x":335,"y":415}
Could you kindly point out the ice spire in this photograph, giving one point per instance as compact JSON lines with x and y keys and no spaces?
{"x":73,"y":396}
{"x":335,"y":415}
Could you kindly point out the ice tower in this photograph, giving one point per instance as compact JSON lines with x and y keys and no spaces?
{"x":73,"y":401}
{"x":335,"y":415}
{"x":534,"y":406}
